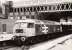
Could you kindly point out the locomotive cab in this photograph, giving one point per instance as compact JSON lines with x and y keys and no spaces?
{"x":24,"y":28}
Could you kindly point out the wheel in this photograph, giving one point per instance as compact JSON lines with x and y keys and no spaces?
{"x":18,"y":42}
{"x":23,"y":39}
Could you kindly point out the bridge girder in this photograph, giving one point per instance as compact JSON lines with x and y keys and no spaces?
{"x":45,"y":8}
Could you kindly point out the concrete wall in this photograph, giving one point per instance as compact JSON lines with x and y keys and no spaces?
{"x":9,"y":25}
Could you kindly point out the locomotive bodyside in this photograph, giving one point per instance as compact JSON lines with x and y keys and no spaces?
{"x":35,"y":27}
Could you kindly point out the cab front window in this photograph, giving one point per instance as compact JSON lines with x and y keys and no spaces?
{"x":30,"y":25}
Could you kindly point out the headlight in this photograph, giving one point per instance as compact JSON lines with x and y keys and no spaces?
{"x":23,"y":38}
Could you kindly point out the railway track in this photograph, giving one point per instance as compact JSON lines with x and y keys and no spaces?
{"x":52,"y":44}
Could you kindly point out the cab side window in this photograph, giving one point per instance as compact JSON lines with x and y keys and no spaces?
{"x":30,"y":25}
{"x":19,"y":30}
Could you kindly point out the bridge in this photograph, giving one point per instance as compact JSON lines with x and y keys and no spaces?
{"x":59,"y":10}
{"x":45,"y":8}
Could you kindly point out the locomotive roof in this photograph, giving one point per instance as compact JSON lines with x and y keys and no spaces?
{"x":26,"y":20}
{"x":38,"y":21}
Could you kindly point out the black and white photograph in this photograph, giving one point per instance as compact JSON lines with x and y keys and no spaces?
{"x":35,"y":24}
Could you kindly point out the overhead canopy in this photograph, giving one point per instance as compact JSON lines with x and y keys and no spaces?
{"x":55,"y":16}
